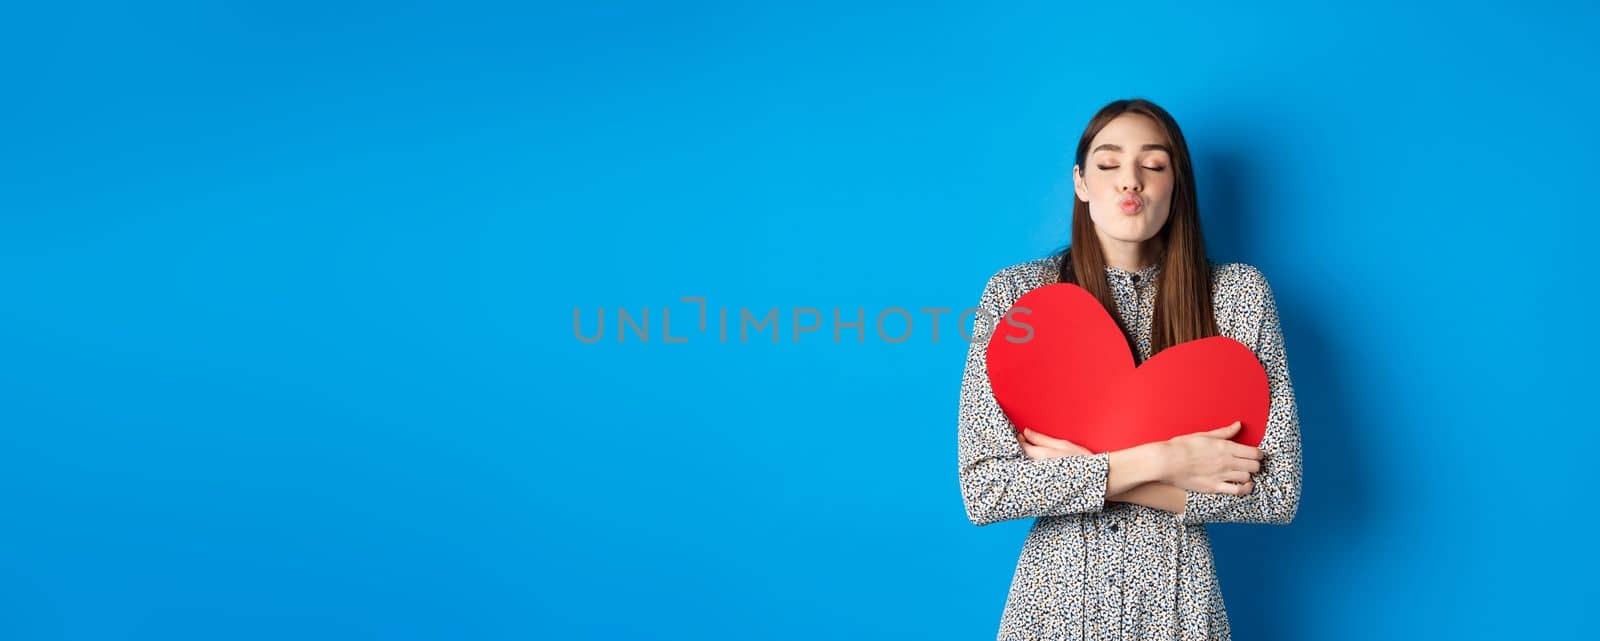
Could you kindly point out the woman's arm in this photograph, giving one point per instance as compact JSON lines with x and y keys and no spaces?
{"x":1156,"y":494}
{"x":1276,"y":496}
{"x":999,"y":481}
{"x":1189,"y":459}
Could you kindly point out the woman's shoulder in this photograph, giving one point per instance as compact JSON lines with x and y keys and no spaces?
{"x":1238,"y":280}
{"x":1241,"y":300}
{"x":1017,"y":279}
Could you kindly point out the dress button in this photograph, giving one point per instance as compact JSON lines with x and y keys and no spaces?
{"x":1113,"y":527}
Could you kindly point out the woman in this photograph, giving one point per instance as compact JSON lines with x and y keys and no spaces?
{"x":1119,"y":548}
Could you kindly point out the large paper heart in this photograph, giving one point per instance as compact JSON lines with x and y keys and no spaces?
{"x":1059,"y":365}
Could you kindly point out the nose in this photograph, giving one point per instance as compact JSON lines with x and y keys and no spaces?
{"x":1130,"y":182}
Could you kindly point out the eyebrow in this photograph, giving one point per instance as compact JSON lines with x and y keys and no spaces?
{"x":1110,"y":147}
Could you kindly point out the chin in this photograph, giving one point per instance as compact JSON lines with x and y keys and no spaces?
{"x":1127,"y":230}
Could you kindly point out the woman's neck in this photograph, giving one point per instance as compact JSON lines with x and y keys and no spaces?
{"x":1129,"y":257}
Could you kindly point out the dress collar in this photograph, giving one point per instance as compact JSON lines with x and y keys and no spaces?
{"x":1145,"y":276}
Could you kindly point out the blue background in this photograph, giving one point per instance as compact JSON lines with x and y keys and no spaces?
{"x":289,"y":295}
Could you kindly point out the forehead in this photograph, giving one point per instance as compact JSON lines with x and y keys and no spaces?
{"x":1130,"y":132}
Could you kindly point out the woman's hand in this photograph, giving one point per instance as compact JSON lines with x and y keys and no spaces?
{"x":1209,"y":462}
{"x":1039,"y":446}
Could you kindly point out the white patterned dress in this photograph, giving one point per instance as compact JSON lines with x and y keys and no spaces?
{"x":1096,"y":570}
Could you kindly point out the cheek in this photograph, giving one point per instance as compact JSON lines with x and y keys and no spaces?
{"x":1167,"y":182}
{"x":1161,"y":191}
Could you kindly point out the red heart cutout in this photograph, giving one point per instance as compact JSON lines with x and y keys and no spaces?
{"x":1059,"y":365}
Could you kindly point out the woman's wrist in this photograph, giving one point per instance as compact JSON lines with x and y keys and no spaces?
{"x":1139,"y":464}
{"x":1160,"y":469}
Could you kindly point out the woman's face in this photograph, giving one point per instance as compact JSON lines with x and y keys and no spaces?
{"x":1128,"y":183}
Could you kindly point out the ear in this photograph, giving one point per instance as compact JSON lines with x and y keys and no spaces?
{"x":1078,"y":186}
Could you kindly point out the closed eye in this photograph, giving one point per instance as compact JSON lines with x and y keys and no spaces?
{"x":1108,"y":168}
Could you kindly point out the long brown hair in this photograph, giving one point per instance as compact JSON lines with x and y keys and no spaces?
{"x":1183,"y":289}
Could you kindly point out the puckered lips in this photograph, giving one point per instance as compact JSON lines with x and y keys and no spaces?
{"x":1131,"y":204}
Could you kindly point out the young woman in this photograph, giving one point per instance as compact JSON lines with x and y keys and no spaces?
{"x":1119,"y":548}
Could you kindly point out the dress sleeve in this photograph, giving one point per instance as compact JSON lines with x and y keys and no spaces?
{"x":1276,"y":495}
{"x":998,"y":481}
